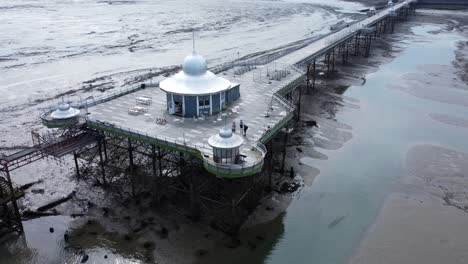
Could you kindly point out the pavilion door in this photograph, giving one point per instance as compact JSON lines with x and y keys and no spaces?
{"x":171,"y":106}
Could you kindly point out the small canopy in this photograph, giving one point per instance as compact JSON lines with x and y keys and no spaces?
{"x":225,"y":139}
{"x":64,"y":111}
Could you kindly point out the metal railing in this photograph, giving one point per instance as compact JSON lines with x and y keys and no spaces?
{"x":139,"y":135}
{"x":237,"y":170}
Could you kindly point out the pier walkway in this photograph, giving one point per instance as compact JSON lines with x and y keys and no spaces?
{"x":261,"y":106}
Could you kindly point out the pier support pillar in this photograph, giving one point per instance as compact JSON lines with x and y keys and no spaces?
{"x":132,"y":167}
{"x":102,"y":162}
{"x":13,"y":198}
{"x":77,"y":167}
{"x":333,"y":61}
{"x":194,"y":199}
{"x":313,"y":74}
{"x":285,"y":143}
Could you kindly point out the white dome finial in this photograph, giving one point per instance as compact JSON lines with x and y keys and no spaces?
{"x":193,"y":41}
{"x":194,"y":64}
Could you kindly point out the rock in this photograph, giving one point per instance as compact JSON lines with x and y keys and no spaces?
{"x":105,"y":211}
{"x":269,"y":208}
{"x":201,"y":252}
{"x":84,"y":258}
{"x":310,"y":123}
{"x":66,"y":237}
{"x":164,"y":233}
{"x":299,"y":149}
{"x":234,"y":243}
{"x":289,"y":187}
{"x":90,"y":204}
{"x":261,"y":238}
{"x":37,"y":191}
{"x":284,"y":187}
{"x":51,"y":229}
{"x":252,"y":245}
{"x":148,"y":245}
{"x":105,"y":256}
{"x":127,"y":237}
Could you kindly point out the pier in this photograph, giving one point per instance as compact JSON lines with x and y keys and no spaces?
{"x":153,"y":148}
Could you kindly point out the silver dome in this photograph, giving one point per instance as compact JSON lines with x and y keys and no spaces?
{"x":225,"y":139}
{"x":64,"y":111}
{"x":194,"y":64}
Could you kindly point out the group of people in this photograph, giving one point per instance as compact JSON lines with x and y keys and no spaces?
{"x":243,"y":127}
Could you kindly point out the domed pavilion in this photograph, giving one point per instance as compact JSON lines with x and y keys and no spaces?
{"x":195,"y":91}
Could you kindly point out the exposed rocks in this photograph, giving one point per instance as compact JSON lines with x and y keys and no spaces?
{"x":201,"y":252}
{"x":287,"y":187}
{"x":84,"y":258}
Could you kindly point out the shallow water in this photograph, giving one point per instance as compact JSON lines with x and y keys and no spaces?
{"x":326,"y":222}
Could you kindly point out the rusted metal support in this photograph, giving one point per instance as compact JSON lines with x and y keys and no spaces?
{"x":132,"y":167}
{"x":153,"y":160}
{"x":356,"y":44}
{"x":286,"y":136}
{"x":77,"y":167}
{"x":13,"y":198}
{"x":160,"y":162}
{"x":101,"y":163}
{"x":313,"y":74}
{"x":194,"y":199}
{"x":333,"y":60}
{"x":299,"y":102}
{"x":104,"y":145}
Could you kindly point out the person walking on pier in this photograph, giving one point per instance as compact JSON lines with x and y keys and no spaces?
{"x":241,"y":125}
{"x":245,"y":129}
{"x":234,"y":127}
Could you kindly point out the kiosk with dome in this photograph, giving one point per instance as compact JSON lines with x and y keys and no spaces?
{"x":196,"y":91}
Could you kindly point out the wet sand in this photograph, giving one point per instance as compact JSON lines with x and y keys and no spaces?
{"x":425,"y":217}
{"x":425,"y":220}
